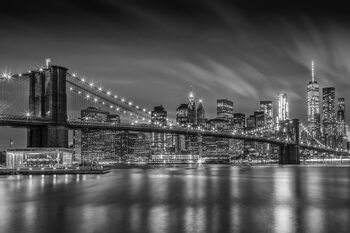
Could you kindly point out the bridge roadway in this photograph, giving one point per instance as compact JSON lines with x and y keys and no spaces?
{"x":28,"y":122}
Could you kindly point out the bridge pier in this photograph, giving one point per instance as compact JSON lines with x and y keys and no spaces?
{"x":48,"y":98}
{"x":289,"y":154}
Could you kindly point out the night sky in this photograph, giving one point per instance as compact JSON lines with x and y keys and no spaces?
{"x":152,"y":51}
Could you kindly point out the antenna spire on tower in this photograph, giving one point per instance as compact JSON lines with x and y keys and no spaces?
{"x":313,"y":70}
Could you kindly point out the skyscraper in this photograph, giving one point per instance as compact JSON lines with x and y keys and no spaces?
{"x":224,"y":108}
{"x":159,"y":115}
{"x":328,"y":115}
{"x":313,"y":105}
{"x":239,"y":121}
{"x":192,"y":118}
{"x":200,"y":114}
{"x":259,"y":118}
{"x":341,"y":127}
{"x":283,"y":108}
{"x":182,"y":114}
{"x":267,"y":108}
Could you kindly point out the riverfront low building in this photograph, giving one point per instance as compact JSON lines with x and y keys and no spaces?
{"x":39,"y":157}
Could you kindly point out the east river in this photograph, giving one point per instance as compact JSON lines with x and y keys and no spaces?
{"x":213,"y":198}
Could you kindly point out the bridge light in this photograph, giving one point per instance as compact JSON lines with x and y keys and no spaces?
{"x":117,"y":109}
{"x":123,"y":99}
{"x":100,"y":88}
{"x":74,"y":75}
{"x":115,"y":96}
{"x":41,"y":69}
{"x":137,"y":106}
{"x":19,"y":75}
{"x":111,"y":106}
{"x":71,"y":88}
{"x":87,"y":96}
{"x":79,"y":92}
{"x":83,"y":79}
{"x":91,"y":84}
{"x":144,"y":110}
{"x":108,"y":92}
{"x":149,"y":113}
{"x":130,"y":103}
{"x":103,"y":103}
{"x":95,"y":99}
{"x":136,"y":122}
{"x":29,"y":71}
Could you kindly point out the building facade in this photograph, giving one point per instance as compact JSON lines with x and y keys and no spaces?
{"x":159,"y":116}
{"x":313,"y":106}
{"x":224,"y":108}
{"x":329,"y":116}
{"x":267,"y":108}
{"x":283,"y":107}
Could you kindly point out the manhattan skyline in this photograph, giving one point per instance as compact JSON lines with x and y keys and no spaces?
{"x":223,"y":50}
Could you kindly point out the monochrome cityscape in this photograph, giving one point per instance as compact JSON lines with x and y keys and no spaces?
{"x":177,"y":116}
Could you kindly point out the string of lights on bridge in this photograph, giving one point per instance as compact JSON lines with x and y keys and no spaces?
{"x":122,"y":100}
{"x":7,"y":76}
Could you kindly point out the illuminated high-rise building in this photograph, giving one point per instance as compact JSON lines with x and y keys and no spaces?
{"x":239,"y":121}
{"x":313,"y":105}
{"x":159,"y":116}
{"x":341,"y":127}
{"x":283,"y":108}
{"x":329,"y":115}
{"x":200,"y":113}
{"x":267,"y":108}
{"x":224,"y":108}
{"x":192,"y":116}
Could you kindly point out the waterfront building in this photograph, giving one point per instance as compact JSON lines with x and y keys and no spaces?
{"x":267,"y":108}
{"x":283,"y":107}
{"x":329,"y":116}
{"x":313,"y":106}
{"x":92,"y":145}
{"x":39,"y":157}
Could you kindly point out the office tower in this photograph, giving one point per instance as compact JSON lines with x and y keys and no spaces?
{"x":341,"y":127}
{"x":328,"y":115}
{"x":313,"y":105}
{"x":200,"y":114}
{"x":224,"y":108}
{"x":283,"y":108}
{"x":182,"y":114}
{"x":267,"y":108}
{"x":91,"y":145}
{"x":259,"y":119}
{"x":239,"y":121}
{"x":251,"y":122}
{"x":192,"y":116}
{"x":159,"y":116}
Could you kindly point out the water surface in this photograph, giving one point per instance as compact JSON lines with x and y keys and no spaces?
{"x":214,"y":198}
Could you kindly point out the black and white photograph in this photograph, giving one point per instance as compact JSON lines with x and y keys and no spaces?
{"x":174,"y":116}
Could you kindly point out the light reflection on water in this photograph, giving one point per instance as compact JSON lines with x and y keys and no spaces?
{"x":216,"y":198}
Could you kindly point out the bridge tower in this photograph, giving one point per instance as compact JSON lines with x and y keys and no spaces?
{"x":48,"y":98}
{"x":289,"y":153}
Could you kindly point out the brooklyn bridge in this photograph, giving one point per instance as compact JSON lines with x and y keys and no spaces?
{"x":48,"y":118}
